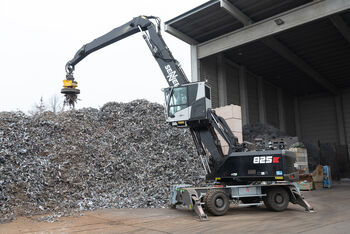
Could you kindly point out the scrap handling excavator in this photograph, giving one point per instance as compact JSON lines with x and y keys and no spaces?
{"x":242,"y":177}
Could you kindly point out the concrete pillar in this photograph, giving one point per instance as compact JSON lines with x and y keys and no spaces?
{"x":195,"y":66}
{"x":340,"y":119}
{"x":222,"y":87}
{"x":297,"y":118}
{"x":281,"y":114}
{"x":262,"y":109}
{"x":243,"y":92}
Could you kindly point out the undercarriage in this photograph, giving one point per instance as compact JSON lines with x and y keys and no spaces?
{"x":216,"y":199}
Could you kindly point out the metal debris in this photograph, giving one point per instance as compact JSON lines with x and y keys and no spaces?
{"x":70,"y":99}
{"x":123,"y":155}
{"x":262,"y":131}
{"x":260,"y":136}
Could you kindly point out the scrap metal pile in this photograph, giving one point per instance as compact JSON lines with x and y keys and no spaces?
{"x":263,"y":131}
{"x":122,"y":155}
{"x":264,"y":136}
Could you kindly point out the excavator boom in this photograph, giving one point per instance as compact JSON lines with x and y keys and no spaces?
{"x":152,"y":35}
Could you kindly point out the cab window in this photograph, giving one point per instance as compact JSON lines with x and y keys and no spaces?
{"x":178,"y":100}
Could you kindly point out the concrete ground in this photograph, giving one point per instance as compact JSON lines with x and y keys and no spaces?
{"x":332,"y":216}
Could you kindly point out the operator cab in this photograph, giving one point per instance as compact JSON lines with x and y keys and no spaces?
{"x":187,"y":104}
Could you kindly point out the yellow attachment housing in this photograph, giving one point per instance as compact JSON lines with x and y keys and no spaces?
{"x":70,"y":84}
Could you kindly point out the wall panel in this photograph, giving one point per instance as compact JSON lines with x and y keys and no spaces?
{"x":346,"y":111}
{"x":208,"y":72}
{"x":289,"y":115}
{"x":271,"y":104}
{"x":318,"y":119}
{"x":232,"y":83}
{"x":253,"y":102}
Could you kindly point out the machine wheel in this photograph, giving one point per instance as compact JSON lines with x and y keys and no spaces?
{"x":216,"y":202}
{"x":277,"y":199}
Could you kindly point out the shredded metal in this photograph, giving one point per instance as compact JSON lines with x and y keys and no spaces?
{"x":70,"y":100}
{"x":123,"y":155}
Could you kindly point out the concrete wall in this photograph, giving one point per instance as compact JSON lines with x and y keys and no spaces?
{"x":271,"y":105}
{"x":318,"y":119}
{"x":324,"y":118}
{"x":289,"y":114}
{"x":209,"y":73}
{"x":346,"y":114}
{"x":253,"y":98}
{"x":233,"y":84}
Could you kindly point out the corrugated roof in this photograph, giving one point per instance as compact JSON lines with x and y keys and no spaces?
{"x":209,"y":20}
{"x":206,"y":24}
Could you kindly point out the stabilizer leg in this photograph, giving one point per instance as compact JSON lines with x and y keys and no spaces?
{"x":198,"y":209}
{"x":301,"y":201}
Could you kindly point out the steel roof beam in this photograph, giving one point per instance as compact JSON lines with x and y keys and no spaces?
{"x":179,"y":35}
{"x":289,"y":55}
{"x":341,"y":26}
{"x":235,"y":12}
{"x":283,"y":51}
{"x":291,"y":19}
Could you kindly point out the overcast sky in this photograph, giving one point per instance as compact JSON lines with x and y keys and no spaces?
{"x":38,"y":37}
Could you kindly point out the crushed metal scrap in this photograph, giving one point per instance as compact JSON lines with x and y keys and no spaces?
{"x":260,"y":136}
{"x":122,"y":155}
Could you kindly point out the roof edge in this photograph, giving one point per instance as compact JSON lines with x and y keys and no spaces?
{"x":190,"y":12}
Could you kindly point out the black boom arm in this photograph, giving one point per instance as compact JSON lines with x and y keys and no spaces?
{"x":151,"y":33}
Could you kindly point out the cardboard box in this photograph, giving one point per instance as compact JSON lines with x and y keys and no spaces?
{"x":233,"y":117}
{"x":224,"y":149}
{"x":317,"y":174}
{"x":229,"y":111}
{"x":234,"y":124}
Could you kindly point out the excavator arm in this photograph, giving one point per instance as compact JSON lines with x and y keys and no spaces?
{"x":151,"y":34}
{"x":135,"y":25}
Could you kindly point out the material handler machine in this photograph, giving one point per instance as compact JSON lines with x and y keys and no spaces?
{"x":242,"y":177}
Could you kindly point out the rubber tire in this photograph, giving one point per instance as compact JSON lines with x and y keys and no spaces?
{"x":276,"y":193}
{"x":210,"y":203}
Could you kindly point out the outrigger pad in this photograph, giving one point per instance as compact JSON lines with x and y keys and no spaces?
{"x":302,"y":202}
{"x":198,"y":209}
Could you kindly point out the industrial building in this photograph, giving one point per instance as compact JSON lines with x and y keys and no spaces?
{"x":285,"y":62}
